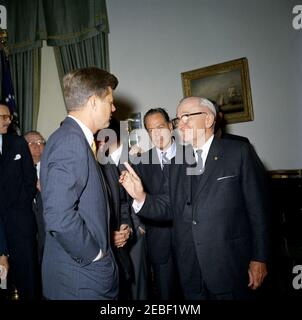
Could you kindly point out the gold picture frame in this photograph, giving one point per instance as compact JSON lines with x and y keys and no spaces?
{"x":227,"y":83}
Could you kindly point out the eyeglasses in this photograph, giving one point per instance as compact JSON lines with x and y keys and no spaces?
{"x":6,"y":117}
{"x":185,"y":118}
{"x":38,"y":143}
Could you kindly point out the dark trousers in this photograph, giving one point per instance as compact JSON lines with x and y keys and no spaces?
{"x":23,"y":272}
{"x":167,"y":285}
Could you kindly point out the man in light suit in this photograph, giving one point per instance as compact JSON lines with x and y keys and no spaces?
{"x":17,"y":191}
{"x":219,"y":209}
{"x":78,"y":262}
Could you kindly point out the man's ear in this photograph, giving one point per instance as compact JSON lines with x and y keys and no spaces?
{"x":170,"y":126}
{"x":92,"y":102}
{"x":210,"y":120}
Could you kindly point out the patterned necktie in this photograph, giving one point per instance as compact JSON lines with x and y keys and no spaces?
{"x":93,"y":148}
{"x":164,"y":159}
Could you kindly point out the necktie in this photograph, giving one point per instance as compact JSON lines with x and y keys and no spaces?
{"x":199,"y":164}
{"x":164,"y":159}
{"x":93,"y":148}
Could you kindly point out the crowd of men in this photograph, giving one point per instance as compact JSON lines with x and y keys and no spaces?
{"x":186,"y":219}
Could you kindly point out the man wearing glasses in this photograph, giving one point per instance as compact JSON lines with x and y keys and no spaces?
{"x":17,"y":191}
{"x":219,"y":207}
{"x":36,"y":144}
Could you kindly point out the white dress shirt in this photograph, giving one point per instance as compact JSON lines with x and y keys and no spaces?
{"x":205,"y":150}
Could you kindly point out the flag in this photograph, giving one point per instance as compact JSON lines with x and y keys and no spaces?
{"x":8,"y":95}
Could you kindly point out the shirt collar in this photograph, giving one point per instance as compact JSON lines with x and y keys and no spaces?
{"x":116,"y":155}
{"x":205,"y":148}
{"x":87,"y":132}
{"x":170,"y":151}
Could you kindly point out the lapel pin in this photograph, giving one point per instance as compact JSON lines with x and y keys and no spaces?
{"x":215,"y":158}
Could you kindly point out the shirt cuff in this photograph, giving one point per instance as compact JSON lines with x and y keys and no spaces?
{"x":99,"y":256}
{"x":137,"y":205}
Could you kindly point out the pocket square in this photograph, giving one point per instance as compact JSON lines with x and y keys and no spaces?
{"x":226,"y":177}
{"x":17,"y":157}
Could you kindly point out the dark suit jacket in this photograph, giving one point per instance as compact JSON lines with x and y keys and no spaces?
{"x":3,"y":244}
{"x":158,"y":233}
{"x":120,"y":214}
{"x":76,"y":215}
{"x":17,"y":186}
{"x":225,"y":135}
{"x":221,"y":224}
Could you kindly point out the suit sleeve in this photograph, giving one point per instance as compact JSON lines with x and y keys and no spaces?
{"x":62,"y":186}
{"x":156,"y":206}
{"x":3,"y":245}
{"x":256,"y":195}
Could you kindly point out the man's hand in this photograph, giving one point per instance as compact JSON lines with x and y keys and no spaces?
{"x":121,"y":237}
{"x":132,"y":183}
{"x":257,"y":273}
{"x":4,"y":263}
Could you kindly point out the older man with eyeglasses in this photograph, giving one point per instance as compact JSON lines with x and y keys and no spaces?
{"x":17,"y":191}
{"x":36,"y":144}
{"x":219,"y":205}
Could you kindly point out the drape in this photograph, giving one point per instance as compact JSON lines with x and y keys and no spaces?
{"x":25,"y":70}
{"x":86,"y":53}
{"x":77,"y":29}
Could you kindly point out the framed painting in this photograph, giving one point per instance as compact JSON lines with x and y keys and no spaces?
{"x":227,"y":84}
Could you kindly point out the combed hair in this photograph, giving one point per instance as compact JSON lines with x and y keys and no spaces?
{"x":80,"y":84}
{"x":161,"y":111}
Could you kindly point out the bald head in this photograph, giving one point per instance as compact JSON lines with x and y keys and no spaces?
{"x":198,"y":103}
{"x":196,"y":120}
{"x":5,"y":118}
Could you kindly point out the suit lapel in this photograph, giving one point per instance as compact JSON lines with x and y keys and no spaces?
{"x":178,"y":170}
{"x":210,"y":166}
{"x":6,"y":146}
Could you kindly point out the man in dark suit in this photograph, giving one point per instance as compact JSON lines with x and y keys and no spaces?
{"x":153,"y":170}
{"x":134,"y":280}
{"x":120,"y":209}
{"x":36,"y":144}
{"x":219,"y":209}
{"x":78,"y":262}
{"x":17,"y":190}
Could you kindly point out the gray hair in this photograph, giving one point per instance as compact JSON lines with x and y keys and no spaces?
{"x":202,"y":102}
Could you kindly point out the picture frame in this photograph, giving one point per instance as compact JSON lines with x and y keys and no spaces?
{"x":227,"y":83}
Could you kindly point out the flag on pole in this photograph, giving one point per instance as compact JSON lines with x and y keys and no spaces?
{"x":8,"y":95}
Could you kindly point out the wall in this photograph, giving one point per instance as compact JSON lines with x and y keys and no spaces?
{"x":52,"y":108}
{"x":153,"y":41}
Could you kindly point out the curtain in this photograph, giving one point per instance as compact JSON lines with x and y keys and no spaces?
{"x":86,"y":53}
{"x":25,"y":28}
{"x":79,"y":34}
{"x":25,"y":70}
{"x":77,"y":29}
